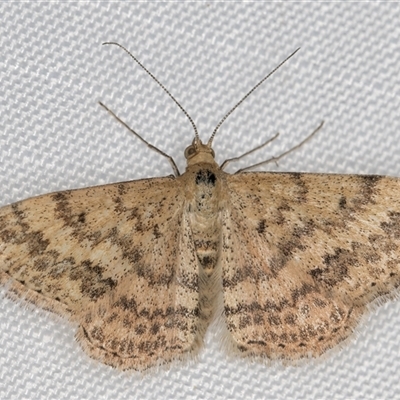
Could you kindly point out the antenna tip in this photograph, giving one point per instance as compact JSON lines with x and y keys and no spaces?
{"x":115,"y":43}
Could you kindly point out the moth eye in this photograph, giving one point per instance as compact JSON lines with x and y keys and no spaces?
{"x":190,"y":151}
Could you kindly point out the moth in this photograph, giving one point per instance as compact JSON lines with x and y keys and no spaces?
{"x":140,"y":266}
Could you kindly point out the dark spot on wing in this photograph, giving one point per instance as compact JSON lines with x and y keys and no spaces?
{"x":261,"y":226}
{"x":82,"y":218}
{"x":335,"y":267}
{"x":392,"y":228}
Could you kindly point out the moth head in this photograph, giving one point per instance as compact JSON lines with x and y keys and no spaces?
{"x":197,"y":148}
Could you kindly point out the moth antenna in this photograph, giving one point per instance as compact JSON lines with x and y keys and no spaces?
{"x":196,"y":134}
{"x":247,"y":95}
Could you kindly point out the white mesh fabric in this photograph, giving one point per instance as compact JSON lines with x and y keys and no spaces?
{"x":55,"y":136}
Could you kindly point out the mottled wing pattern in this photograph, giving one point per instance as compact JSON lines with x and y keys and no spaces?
{"x":69,"y":251}
{"x":302,"y":257}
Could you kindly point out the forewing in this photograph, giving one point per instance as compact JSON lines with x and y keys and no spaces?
{"x":117,"y":259}
{"x":302,"y":257}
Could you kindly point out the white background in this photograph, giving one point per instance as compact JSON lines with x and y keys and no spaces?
{"x":55,"y":136}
